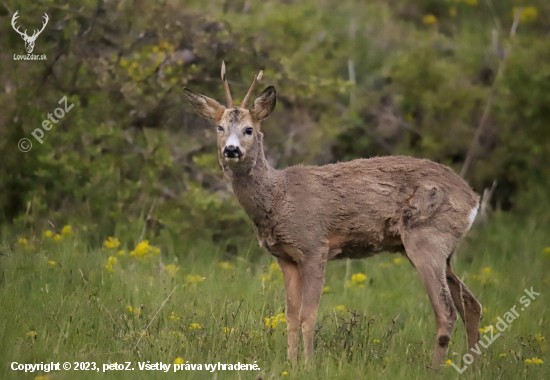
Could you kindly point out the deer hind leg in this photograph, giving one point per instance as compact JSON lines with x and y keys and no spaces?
{"x":293,"y":287}
{"x":428,"y":253}
{"x":313,"y":279}
{"x":467,"y":305}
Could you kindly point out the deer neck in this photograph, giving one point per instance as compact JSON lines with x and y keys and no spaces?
{"x":254,"y":183}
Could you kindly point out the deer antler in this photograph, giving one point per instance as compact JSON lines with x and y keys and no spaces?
{"x":226,"y":86}
{"x":15,"y":16}
{"x":35,"y":34}
{"x":252,"y":88}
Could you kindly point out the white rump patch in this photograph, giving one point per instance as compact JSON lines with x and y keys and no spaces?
{"x":472,"y":216}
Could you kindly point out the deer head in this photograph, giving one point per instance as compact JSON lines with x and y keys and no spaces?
{"x":238,"y":127}
{"x":29,"y":40}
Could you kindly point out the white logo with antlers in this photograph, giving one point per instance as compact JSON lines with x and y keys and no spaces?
{"x":29,"y":40}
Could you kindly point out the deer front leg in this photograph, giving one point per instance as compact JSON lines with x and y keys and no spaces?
{"x":313,"y":279}
{"x":293,"y":287}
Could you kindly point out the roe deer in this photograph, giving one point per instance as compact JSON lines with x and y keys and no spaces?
{"x":307,"y":215}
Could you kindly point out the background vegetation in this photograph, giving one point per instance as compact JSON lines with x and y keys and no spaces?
{"x":133,"y":161}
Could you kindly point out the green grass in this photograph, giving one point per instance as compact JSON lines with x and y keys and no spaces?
{"x":79,"y":311}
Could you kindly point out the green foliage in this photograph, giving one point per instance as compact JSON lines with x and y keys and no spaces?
{"x":131,"y":140}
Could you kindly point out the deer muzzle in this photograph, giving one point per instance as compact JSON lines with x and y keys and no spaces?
{"x":232,"y":152}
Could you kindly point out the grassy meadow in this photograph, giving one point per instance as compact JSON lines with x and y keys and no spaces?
{"x":65,"y":301}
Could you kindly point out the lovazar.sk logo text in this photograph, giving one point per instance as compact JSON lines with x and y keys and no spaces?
{"x":29,"y":40}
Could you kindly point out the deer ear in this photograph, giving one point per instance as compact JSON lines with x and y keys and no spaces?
{"x":205,"y":106}
{"x":264,"y":104}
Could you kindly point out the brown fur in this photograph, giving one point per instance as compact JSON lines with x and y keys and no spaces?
{"x":307,"y":215}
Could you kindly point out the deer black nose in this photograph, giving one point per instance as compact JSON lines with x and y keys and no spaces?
{"x":232,"y":151}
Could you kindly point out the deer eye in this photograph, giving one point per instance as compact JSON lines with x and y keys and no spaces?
{"x":248,"y":131}
{"x":220,"y":128}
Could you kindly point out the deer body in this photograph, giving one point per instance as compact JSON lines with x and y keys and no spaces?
{"x":356,"y":208}
{"x":308,"y":215}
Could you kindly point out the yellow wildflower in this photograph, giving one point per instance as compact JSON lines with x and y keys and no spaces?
{"x":448,"y":362}
{"x":274,"y":267}
{"x":265,"y":277}
{"x":502,"y":356}
{"x":141,"y":249}
{"x":121,"y":253}
{"x":144,"y":250}
{"x":191,"y":278}
{"x":376,"y":341}
{"x":225,"y":265}
{"x":48,"y":234}
{"x":171,"y":269}
{"x":67,"y":230}
{"x":546,"y":251}
{"x":397,"y":260}
{"x":528,"y":14}
{"x":123,"y":62}
{"x":195,"y":326}
{"x":358,"y":278}
{"x":285,"y":373}
{"x":486,"y":276}
{"x":429,"y":20}
{"x":340,"y":308}
{"x":111,"y":261}
{"x":274,"y":321}
{"x":57,"y":238}
{"x":539,"y":338}
{"x":32,"y":334}
{"x":179,"y":361}
{"x":111,"y":242}
{"x":22,"y":241}
{"x":173,"y":316}
{"x":486,"y":329}
{"x":326,"y":289}
{"x":41,"y":378}
{"x":52,"y":263}
{"x":357,"y":281}
{"x":130,"y":309}
{"x":227,"y":330}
